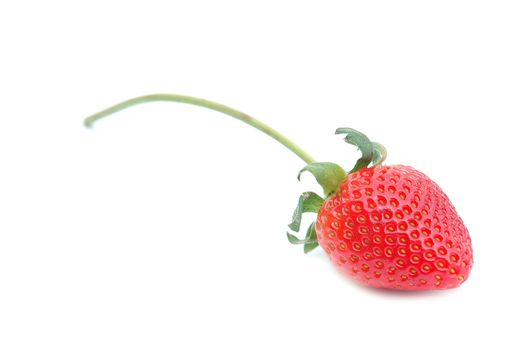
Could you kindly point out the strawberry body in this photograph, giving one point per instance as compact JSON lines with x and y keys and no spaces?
{"x":393,"y":227}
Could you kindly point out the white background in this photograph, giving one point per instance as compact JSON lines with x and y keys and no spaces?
{"x":164,"y":227}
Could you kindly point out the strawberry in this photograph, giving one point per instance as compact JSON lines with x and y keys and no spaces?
{"x":393,"y":227}
{"x":384,"y":226}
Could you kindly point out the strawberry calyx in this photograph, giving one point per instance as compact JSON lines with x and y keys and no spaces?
{"x":329,"y":176}
{"x":363,"y":143}
{"x":309,"y":202}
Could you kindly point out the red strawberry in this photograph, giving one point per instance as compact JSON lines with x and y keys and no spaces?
{"x":393,"y":227}
{"x":385,"y":226}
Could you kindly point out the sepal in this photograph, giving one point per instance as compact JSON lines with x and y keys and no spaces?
{"x":310,"y":241}
{"x":379,"y":154}
{"x":363,"y":143}
{"x":328,"y":175}
{"x":309,"y":202}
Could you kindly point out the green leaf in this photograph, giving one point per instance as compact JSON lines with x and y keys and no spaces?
{"x":363,"y":143}
{"x":309,"y":202}
{"x":328,"y":175}
{"x":379,"y":154}
{"x":310,"y":246}
{"x":294,"y":240}
{"x":310,"y":241}
{"x":311,"y":236}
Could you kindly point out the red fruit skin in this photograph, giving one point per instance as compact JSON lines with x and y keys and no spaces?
{"x":393,"y":227}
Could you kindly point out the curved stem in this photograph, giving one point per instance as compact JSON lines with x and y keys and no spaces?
{"x":207,"y":104}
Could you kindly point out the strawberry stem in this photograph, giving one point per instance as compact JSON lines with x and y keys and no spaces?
{"x":206,"y":104}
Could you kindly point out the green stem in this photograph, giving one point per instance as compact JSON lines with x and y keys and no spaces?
{"x":207,"y":104}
